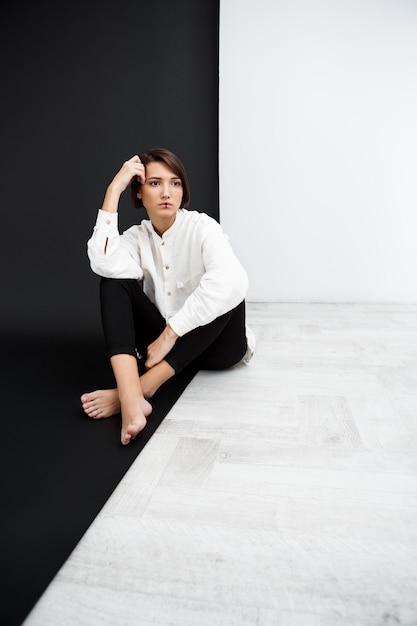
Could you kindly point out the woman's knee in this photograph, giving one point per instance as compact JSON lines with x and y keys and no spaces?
{"x":111,"y":285}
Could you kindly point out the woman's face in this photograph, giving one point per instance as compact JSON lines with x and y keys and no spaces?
{"x":161,"y":194}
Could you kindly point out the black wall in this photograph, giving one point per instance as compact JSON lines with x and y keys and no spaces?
{"x":84,"y":87}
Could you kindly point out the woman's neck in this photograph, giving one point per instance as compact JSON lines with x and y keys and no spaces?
{"x":161,"y":226}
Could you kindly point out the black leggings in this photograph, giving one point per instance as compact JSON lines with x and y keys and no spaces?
{"x":131,"y":322}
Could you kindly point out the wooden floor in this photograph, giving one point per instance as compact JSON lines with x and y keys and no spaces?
{"x":281,"y":493}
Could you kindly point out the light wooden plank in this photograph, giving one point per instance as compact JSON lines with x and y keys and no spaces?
{"x":282,"y":493}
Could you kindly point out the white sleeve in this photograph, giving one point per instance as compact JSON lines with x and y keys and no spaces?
{"x":113,"y":255}
{"x":221,"y":288}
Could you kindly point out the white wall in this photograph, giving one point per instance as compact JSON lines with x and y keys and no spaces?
{"x":318,"y":147}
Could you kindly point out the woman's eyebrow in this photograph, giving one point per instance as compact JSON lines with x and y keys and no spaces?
{"x":160,"y":178}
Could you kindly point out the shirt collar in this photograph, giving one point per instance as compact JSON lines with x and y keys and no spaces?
{"x":179,"y":217}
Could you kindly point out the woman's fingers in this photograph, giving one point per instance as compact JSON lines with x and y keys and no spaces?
{"x":159,"y":348}
{"x":131,"y":169}
{"x":136,"y":167}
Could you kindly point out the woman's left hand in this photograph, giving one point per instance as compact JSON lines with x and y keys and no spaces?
{"x":159,"y":348}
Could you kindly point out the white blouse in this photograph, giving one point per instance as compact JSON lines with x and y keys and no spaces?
{"x":190,"y":273}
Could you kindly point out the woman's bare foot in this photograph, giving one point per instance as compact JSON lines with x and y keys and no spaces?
{"x":101,"y":403}
{"x":130,"y":396}
{"x":135,"y":409}
{"x":105,"y":402}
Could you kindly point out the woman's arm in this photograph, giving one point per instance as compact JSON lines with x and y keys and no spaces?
{"x":129,"y":170}
{"x":108,"y":255}
{"x":222,"y":286}
{"x":159,"y":348}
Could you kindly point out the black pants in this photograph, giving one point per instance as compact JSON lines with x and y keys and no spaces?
{"x":131,"y":322}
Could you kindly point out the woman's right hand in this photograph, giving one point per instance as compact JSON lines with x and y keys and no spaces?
{"x":133,"y":168}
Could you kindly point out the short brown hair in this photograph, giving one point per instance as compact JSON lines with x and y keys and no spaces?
{"x":172,"y":161}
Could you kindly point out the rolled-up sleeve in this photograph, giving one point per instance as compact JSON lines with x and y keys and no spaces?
{"x":222,"y":286}
{"x":113,"y":255}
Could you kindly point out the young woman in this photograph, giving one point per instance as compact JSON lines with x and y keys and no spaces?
{"x":172,"y":290}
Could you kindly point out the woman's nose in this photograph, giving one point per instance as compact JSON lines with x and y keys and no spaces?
{"x":165,"y":191}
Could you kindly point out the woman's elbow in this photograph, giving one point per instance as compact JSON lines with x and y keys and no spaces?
{"x":238,"y":287}
{"x":243,"y":283}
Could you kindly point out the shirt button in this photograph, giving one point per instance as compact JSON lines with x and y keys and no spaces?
{"x":168,"y":293}
{"x":167,"y":267}
{"x":107,"y":221}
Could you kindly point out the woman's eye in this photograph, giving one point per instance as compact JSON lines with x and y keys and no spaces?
{"x":154,"y":183}
{"x":176,"y":183}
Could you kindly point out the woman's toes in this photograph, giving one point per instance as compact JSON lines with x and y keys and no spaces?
{"x":126,"y":438}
